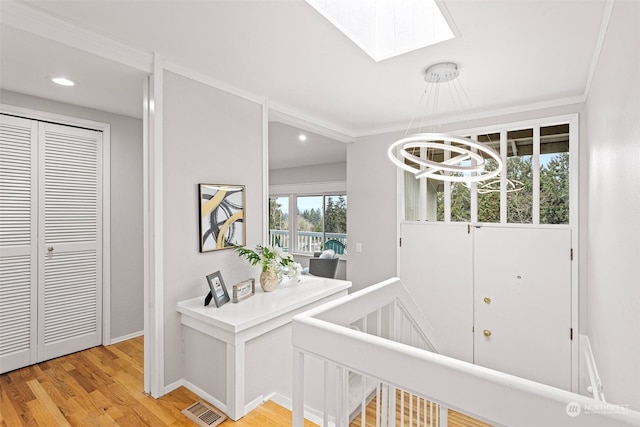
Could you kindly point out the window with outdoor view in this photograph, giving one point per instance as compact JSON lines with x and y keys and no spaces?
{"x":319,"y":221}
{"x":534,"y":187}
{"x":279,"y":222}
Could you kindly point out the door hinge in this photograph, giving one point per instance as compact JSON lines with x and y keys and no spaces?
{"x":468,"y":228}
{"x":571,"y":254}
{"x":571,"y":334}
{"x":401,"y":242}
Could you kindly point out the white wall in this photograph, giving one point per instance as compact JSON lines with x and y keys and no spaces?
{"x":213,"y":137}
{"x":126,"y":206}
{"x":327,"y":172}
{"x":613,"y":130}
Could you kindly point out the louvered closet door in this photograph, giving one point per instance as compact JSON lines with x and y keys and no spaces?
{"x":18,"y":242}
{"x":70,"y":223}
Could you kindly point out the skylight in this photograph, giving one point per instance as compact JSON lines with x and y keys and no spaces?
{"x":387,"y":28}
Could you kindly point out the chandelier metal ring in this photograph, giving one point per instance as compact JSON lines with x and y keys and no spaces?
{"x":513,"y":186}
{"x":432,"y":168}
{"x":448,"y":165}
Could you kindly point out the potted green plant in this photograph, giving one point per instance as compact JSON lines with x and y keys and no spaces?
{"x":274,"y":262}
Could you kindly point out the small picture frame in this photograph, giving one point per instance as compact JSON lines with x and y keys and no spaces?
{"x":218,"y":291}
{"x":243,"y":290}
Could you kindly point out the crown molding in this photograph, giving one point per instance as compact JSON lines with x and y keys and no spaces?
{"x":210,"y":81}
{"x":606,"y":17}
{"x":289,"y":116}
{"x":21,"y":16}
{"x":560,"y":102}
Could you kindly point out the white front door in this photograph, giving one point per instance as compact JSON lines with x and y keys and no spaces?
{"x":437,"y":269}
{"x":522,"y":301}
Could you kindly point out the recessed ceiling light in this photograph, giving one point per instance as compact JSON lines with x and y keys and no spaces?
{"x":62,"y":81}
{"x":302,"y":137}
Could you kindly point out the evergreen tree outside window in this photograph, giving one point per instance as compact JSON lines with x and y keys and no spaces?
{"x":279,"y":222}
{"x":554,"y":174}
{"x":545,"y":159}
{"x":520,"y":173}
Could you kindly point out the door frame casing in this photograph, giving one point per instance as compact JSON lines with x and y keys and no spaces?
{"x":105,"y":128}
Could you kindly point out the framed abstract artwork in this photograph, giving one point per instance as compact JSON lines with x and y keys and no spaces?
{"x":222,"y":214}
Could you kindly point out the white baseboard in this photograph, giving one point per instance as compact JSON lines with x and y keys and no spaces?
{"x":310,"y":414}
{"x":126,"y":337}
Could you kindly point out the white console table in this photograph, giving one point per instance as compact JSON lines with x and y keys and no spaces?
{"x":237,"y":324}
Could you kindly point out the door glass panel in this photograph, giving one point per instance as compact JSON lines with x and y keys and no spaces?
{"x":489,"y":191}
{"x":460,"y":192}
{"x":520,"y":176}
{"x":554,"y":174}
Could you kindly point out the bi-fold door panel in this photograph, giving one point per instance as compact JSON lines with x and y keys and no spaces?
{"x":50,"y":240}
{"x":18,"y":243}
{"x":70,"y":220}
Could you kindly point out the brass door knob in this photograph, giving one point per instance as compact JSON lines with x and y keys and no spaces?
{"x":487,"y":300}
{"x":487,"y":333}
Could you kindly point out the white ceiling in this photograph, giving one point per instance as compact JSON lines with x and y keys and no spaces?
{"x":510,"y":53}
{"x":286,"y":150}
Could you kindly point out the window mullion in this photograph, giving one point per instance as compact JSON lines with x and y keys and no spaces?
{"x":536,"y":175}
{"x":447,"y":189}
{"x":324,"y":219}
{"x":474,"y":187}
{"x":292,"y":222}
{"x":503,"y":177}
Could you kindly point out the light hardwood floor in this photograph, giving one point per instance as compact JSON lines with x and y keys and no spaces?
{"x":103,"y":386}
{"x":455,"y":419}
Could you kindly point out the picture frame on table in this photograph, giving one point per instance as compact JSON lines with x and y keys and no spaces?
{"x":243,"y":290}
{"x":218,"y":291}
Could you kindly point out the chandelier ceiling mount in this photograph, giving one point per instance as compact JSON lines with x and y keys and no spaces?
{"x":464,"y":159}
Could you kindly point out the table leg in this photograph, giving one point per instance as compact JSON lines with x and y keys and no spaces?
{"x":235,"y":381}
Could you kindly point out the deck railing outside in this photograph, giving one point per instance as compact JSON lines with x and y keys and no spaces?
{"x":380,"y":335}
{"x":305,"y":241}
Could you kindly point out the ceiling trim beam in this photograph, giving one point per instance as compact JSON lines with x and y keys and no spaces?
{"x":210,"y":81}
{"x":606,"y":17}
{"x":467,"y":117}
{"x":291,"y":117}
{"x":27,"y":18}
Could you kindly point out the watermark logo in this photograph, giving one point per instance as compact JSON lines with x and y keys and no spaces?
{"x":573,"y":409}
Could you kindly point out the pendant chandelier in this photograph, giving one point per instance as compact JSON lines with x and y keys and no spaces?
{"x":463,"y":159}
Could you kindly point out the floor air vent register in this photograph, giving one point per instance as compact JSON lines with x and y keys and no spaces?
{"x":204,"y":415}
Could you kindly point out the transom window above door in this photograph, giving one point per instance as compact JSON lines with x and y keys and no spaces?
{"x":535,"y":187}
